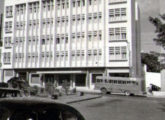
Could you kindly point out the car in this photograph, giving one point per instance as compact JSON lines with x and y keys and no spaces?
{"x":29,"y":108}
{"x":9,"y":92}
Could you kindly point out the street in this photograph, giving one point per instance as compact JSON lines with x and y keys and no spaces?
{"x":112,"y":107}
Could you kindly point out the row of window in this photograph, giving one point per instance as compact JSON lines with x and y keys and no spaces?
{"x":119,"y":33}
{"x":76,"y":3}
{"x":60,"y":38}
{"x":118,"y":53}
{"x":79,"y":52}
{"x":117,"y":14}
{"x":117,"y":82}
{"x":80,"y":17}
{"x":92,"y":35}
{"x":49,"y":21}
{"x":61,"y":54}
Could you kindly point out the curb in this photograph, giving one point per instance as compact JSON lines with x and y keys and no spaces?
{"x":85,"y":99}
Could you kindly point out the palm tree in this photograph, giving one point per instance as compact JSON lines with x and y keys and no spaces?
{"x":159,"y":23}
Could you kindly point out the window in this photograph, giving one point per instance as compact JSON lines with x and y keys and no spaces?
{"x":78,"y":3}
{"x":123,"y":33}
{"x":83,"y":2}
{"x":118,"y":53}
{"x":43,"y":41}
{"x":21,"y":8}
{"x":90,"y":2}
{"x":111,"y":51}
{"x":111,"y":13}
{"x":117,"y":14}
{"x":9,"y":11}
{"x":7,"y":58}
{"x":117,"y":33}
{"x":124,"y":52}
{"x":8,"y":27}
{"x":20,"y":25}
{"x":74,"y":3}
{"x":58,"y":40}
{"x":7,"y":41}
{"x":123,"y":11}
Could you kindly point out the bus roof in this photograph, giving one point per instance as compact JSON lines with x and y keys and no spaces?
{"x":118,"y":78}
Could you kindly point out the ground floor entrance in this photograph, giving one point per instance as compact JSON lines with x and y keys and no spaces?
{"x":77,"y":77}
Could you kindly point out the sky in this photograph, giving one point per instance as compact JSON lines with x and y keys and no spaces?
{"x":147,"y":8}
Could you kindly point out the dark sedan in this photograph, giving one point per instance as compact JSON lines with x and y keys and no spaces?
{"x":36,"y":109}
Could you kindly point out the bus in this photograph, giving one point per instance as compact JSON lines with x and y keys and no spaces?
{"x":125,"y":85}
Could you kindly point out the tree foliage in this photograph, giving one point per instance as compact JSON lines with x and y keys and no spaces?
{"x":151,"y":61}
{"x":159,"y":23}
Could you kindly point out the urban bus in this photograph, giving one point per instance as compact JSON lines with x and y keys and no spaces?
{"x":125,"y":85}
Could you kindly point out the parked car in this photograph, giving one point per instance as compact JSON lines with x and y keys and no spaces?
{"x":9,"y":92}
{"x":24,"y":108}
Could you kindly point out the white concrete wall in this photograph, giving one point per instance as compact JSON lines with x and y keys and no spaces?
{"x":153,"y":78}
{"x":163,"y":80}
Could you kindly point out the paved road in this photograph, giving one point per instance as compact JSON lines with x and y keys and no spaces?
{"x":122,"y":108}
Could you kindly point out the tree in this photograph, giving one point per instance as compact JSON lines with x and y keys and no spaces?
{"x":151,"y":60}
{"x":159,"y":23}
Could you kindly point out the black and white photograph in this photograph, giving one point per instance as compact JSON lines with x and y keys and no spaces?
{"x":82,"y":59}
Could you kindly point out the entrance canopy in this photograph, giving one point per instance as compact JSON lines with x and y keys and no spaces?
{"x":60,"y":72}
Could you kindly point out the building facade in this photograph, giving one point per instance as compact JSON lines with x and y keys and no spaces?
{"x":48,"y":41}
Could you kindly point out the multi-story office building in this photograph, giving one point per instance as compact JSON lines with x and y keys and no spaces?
{"x":75,"y":40}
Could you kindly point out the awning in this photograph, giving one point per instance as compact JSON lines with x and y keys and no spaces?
{"x":118,"y":70}
{"x":61,"y":72}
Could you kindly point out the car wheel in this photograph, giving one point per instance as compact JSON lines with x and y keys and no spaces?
{"x":127,"y":93}
{"x":103,"y":91}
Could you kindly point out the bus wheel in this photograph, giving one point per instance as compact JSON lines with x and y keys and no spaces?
{"x":127,"y":93}
{"x":103,"y":91}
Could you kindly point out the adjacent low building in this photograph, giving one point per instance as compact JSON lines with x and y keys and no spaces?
{"x":48,"y":41}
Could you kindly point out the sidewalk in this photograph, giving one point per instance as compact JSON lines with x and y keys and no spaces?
{"x":156,"y":94}
{"x":76,"y":98}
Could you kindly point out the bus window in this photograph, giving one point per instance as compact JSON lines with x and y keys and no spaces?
{"x":128,"y":82}
{"x":106,"y":81}
{"x":115,"y":81}
{"x":110,"y":81}
{"x":133,"y":82}
{"x":98,"y":80}
{"x":124,"y":82}
{"x":137,"y":83}
{"x":119,"y":82}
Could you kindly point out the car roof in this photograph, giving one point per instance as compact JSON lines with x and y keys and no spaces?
{"x":28,"y":102}
{"x":35,"y":103}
